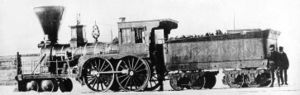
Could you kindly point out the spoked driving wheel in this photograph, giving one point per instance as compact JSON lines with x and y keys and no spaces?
{"x":135,"y":73}
{"x":98,"y":74}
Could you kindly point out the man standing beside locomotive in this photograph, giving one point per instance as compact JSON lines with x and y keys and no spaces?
{"x":273,"y":62}
{"x":284,"y":65}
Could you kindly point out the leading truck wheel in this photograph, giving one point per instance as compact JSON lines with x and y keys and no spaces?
{"x":135,"y":73}
{"x":66,"y":85}
{"x":49,"y":85}
{"x":98,"y":74}
{"x":32,"y":85}
{"x":22,"y":85}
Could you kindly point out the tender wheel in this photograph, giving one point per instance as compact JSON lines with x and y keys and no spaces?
{"x":210,"y":81}
{"x":135,"y":73}
{"x":237,"y":82}
{"x":174,"y":83}
{"x":153,"y":82}
{"x":98,"y":74}
{"x":263,"y":79}
{"x":250,"y":82}
{"x":66,"y":85}
{"x":198,"y":83}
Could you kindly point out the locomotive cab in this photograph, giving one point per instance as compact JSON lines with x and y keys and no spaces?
{"x":141,"y":38}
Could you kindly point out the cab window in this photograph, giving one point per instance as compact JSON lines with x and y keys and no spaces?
{"x":139,"y":35}
{"x":133,"y":35}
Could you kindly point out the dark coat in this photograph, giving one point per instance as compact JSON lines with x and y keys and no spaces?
{"x":284,"y":61}
{"x":273,"y":60}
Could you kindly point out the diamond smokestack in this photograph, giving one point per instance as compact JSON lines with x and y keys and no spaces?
{"x":49,"y":17}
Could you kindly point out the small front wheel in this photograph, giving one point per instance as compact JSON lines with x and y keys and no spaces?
{"x":66,"y":85}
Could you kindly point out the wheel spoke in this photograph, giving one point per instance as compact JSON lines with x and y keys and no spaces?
{"x":102,"y":86}
{"x":92,"y":80}
{"x":98,"y":66}
{"x":136,"y":63}
{"x":151,"y":84}
{"x":92,"y":65}
{"x":138,"y":66}
{"x":97,"y":81}
{"x":105,"y":68}
{"x":89,"y":76}
{"x":101,"y":66}
{"x":127,"y":82}
{"x":122,"y":76}
{"x":131,"y":84}
{"x":129,"y":64}
{"x":98,"y":85}
{"x":124,"y":79}
{"x":132,"y":63}
{"x":89,"y":79}
{"x":123,"y":67}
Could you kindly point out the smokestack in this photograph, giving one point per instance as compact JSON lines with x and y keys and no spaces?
{"x":49,"y":17}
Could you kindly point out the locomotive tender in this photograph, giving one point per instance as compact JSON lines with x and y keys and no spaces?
{"x":144,"y":54}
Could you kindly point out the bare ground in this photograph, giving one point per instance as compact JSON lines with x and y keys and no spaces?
{"x":291,"y":89}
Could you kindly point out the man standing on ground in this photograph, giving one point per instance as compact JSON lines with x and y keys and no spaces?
{"x":285,"y":65}
{"x":273,"y":61}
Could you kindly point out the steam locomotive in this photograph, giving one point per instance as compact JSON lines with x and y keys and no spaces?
{"x":143,"y":56}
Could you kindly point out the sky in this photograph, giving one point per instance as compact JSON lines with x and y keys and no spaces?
{"x":20,"y":29}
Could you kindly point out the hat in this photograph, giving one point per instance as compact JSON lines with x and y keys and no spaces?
{"x":280,"y":48}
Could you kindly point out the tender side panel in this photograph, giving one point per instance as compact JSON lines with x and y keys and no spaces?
{"x":219,"y":51}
